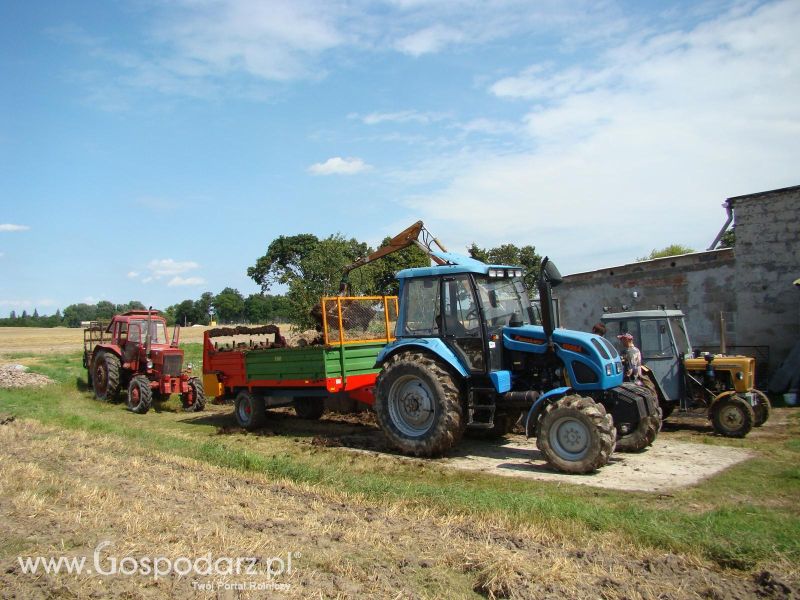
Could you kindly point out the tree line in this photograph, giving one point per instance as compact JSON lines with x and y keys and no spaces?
{"x":307,"y":266}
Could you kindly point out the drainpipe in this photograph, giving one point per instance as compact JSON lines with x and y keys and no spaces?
{"x":729,"y":209}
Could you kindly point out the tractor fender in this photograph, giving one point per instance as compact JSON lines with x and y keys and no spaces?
{"x":112,"y":348}
{"x":541,"y":402}
{"x":433,"y":346}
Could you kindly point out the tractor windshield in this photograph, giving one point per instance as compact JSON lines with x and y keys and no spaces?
{"x":158,"y":331}
{"x":504,"y":298}
{"x":681,"y":337}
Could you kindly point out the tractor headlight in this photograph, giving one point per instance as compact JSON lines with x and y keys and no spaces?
{"x":518,"y":273}
{"x":494,"y":273}
{"x":149,"y":364}
{"x":619,"y":367}
{"x":609,"y":370}
{"x":189,"y":366}
{"x":740,"y":376}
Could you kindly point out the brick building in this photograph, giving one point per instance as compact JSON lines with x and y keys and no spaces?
{"x":749,"y":285}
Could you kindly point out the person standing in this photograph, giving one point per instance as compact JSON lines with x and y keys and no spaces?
{"x":631,"y":359}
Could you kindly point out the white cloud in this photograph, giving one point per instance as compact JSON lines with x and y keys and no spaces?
{"x":165,"y":267}
{"x":637,"y":138}
{"x":428,"y":40}
{"x":12,"y":227}
{"x":339,"y":166}
{"x":133,"y":274}
{"x":402,"y":116}
{"x":182,"y":281}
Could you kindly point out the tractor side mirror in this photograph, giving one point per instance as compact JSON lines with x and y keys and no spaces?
{"x":552,"y":273}
{"x":493,"y":298}
{"x":176,"y":336}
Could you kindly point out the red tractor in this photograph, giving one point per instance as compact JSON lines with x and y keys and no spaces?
{"x":133,"y":352}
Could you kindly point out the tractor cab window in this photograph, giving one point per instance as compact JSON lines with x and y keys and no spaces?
{"x":461,"y":321}
{"x":503,"y":299}
{"x":656,"y":341}
{"x":421,"y":306}
{"x":681,"y":337}
{"x":135,"y":332}
{"x":158,"y":332}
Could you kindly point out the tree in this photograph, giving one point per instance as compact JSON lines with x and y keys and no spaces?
{"x":185,"y":313}
{"x":229,"y":305}
{"x":511,"y":255}
{"x":258,"y":309}
{"x":728,"y":239}
{"x":382,"y":272}
{"x":671,"y":250}
{"x":203,"y":307}
{"x":13,"y":315}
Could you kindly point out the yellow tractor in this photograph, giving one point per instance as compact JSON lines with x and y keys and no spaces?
{"x":723,"y":386}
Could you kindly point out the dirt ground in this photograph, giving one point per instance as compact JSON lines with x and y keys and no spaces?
{"x":64,"y":492}
{"x":669,"y":464}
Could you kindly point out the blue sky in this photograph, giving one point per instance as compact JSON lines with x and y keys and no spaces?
{"x":151,"y":150}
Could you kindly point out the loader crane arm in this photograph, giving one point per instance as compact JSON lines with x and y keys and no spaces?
{"x":415,"y":235}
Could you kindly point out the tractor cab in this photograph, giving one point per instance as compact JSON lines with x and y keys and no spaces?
{"x":662,"y":338}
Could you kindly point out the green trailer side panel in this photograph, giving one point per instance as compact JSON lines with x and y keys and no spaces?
{"x":359,"y":359}
{"x":311,"y":362}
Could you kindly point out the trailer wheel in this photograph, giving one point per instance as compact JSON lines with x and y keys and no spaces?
{"x":762,"y":409}
{"x":105,"y":376}
{"x":647,"y":430}
{"x":250,"y":410}
{"x":194,"y":400}
{"x":140,"y":395}
{"x":418,"y":405}
{"x":576,"y":435}
{"x":732,"y":416}
{"x":309,"y":407}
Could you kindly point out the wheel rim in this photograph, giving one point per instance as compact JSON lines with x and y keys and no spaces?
{"x":101,"y":381}
{"x":731,"y":417}
{"x":411,"y":406}
{"x":245,"y":410}
{"x":135,"y":395}
{"x":569,"y":437}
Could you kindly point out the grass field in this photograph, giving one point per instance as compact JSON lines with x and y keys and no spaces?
{"x":181,"y":482}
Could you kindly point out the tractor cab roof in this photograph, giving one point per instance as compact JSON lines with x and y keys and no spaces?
{"x":642,"y":314}
{"x":466,"y":265}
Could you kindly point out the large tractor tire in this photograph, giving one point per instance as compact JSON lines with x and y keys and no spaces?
{"x":105,"y":376}
{"x":418,"y":405}
{"x":647,"y":430}
{"x":503,"y":424}
{"x":250,"y":410}
{"x":732,"y":416}
{"x":194,"y":400}
{"x":310,"y":408}
{"x":762,"y":409}
{"x":665,"y":407}
{"x":576,"y":435}
{"x":140,"y":395}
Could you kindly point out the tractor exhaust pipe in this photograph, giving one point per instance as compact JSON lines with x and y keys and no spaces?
{"x":147,"y":336}
{"x":549,"y":277}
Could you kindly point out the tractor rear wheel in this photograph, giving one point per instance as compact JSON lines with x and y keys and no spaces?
{"x":576,"y":435}
{"x":105,"y":376}
{"x":418,"y":405}
{"x":762,"y":409}
{"x":732,"y":416}
{"x":250,"y":410}
{"x":310,"y":408}
{"x":647,"y":430}
{"x":140,"y":395}
{"x":194,"y":400}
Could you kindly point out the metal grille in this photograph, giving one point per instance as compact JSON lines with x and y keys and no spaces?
{"x":172,"y":364}
{"x":348,"y":320}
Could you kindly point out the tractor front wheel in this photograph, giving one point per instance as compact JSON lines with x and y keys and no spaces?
{"x":194,"y":400}
{"x":732,"y":416}
{"x":576,"y":435}
{"x":310,"y":408}
{"x":418,"y":405}
{"x":250,"y":410}
{"x":140,"y":395}
{"x":105,"y":376}
{"x":762,"y":409}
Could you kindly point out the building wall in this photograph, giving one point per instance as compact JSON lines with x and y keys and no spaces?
{"x":751,"y":285}
{"x":767,"y":262}
{"x":699,"y":284}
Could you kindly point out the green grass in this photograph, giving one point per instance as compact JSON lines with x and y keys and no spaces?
{"x":743,"y":518}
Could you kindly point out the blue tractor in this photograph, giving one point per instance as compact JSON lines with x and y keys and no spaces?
{"x":473,"y":353}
